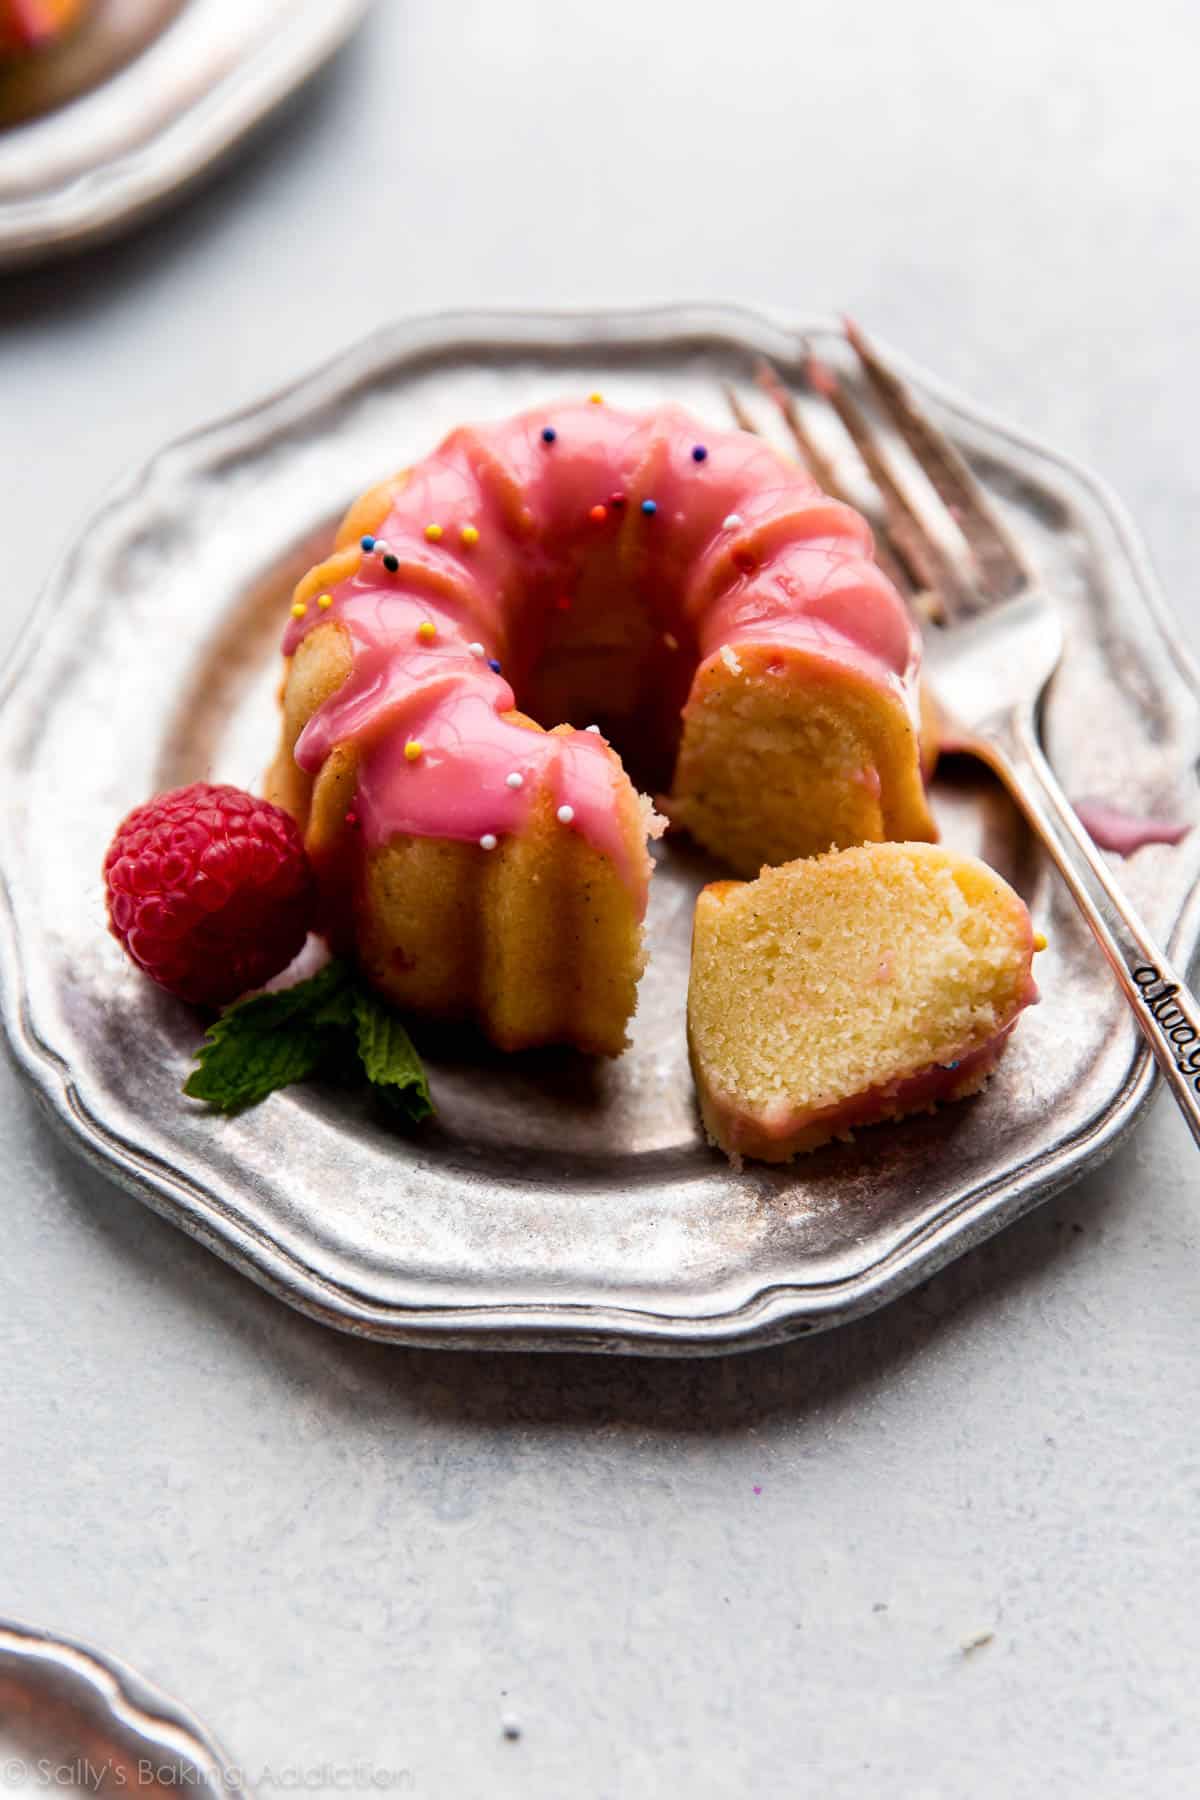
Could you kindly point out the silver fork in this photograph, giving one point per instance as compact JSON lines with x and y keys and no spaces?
{"x":993,"y":640}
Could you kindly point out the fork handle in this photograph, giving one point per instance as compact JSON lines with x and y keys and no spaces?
{"x":1167,"y":1014}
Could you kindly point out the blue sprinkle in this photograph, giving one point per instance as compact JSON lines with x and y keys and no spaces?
{"x":391,"y":563}
{"x":368,"y":544}
{"x":493,"y":665}
{"x":548,"y":434}
{"x":950,"y":1067}
{"x":649,"y":506}
{"x":699,"y":453}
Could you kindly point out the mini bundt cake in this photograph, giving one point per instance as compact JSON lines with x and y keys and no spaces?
{"x":856,"y":986}
{"x":691,"y":594}
{"x":32,"y":24}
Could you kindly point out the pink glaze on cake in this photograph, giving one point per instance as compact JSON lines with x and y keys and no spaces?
{"x":724,"y":541}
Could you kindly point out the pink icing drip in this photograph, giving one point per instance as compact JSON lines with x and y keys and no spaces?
{"x":796,"y":571}
{"x":1112,"y":829}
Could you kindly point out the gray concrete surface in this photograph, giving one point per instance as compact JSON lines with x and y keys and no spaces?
{"x":341,"y":1554}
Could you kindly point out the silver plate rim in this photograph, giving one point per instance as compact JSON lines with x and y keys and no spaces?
{"x":90,"y":203}
{"x":126,"y":1698}
{"x":778,"y":1311}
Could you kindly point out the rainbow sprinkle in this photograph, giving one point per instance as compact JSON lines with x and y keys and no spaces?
{"x":477,"y":651}
{"x":598,"y":514}
{"x":699,"y":452}
{"x":469,"y":535}
{"x":515,"y":780}
{"x":368,"y":544}
{"x":299,"y":609}
{"x":433,"y":533}
{"x":325,"y":602}
{"x":548,"y":434}
{"x":413,"y":750}
{"x":565,"y":814}
{"x":596,"y":399}
{"x":426,"y":631}
{"x":488,"y":841}
{"x":391,"y":563}
{"x":649,"y":507}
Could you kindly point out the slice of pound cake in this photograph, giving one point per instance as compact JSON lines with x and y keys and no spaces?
{"x":843,"y":989}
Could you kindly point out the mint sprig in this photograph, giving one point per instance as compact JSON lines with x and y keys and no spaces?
{"x":331,"y":1024}
{"x":389,"y":1061}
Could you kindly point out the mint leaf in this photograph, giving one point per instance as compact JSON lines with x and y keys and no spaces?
{"x":388,"y":1058}
{"x":267,"y":1043}
{"x":330,"y":1025}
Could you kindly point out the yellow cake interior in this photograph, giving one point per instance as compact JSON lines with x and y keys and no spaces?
{"x":827,"y":978}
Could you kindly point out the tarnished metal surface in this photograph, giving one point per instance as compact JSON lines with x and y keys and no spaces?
{"x":73,"y":1719}
{"x":145,"y":97}
{"x":556,"y":1202}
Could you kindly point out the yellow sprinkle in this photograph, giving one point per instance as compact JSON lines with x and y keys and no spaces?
{"x":1040,"y":940}
{"x":433,"y":533}
{"x":469,"y":535}
{"x":299,"y":609}
{"x":426,"y":631}
{"x":325,"y":602}
{"x":413,"y":749}
{"x":596,"y":399}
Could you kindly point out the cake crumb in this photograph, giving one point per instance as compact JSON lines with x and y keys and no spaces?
{"x":977,"y":1643}
{"x":511,"y":1726}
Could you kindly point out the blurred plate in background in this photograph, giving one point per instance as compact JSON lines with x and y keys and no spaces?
{"x":143,"y":98}
{"x":72,"y":1719}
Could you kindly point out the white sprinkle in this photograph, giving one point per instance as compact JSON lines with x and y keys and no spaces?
{"x":565,"y":814}
{"x":381,"y":548}
{"x":732,"y":522}
{"x":477,"y":650}
{"x":488,"y":841}
{"x":514,"y":780}
{"x":593,"y":728}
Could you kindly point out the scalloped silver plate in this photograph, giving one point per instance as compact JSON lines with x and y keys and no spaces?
{"x":556,"y":1203}
{"x":72,"y":1718}
{"x":103,"y":159}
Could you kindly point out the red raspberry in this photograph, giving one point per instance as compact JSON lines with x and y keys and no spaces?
{"x":209,"y":891}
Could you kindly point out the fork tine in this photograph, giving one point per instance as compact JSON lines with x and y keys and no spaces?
{"x":819,"y":465}
{"x":1000,"y":562}
{"x":741,"y":417}
{"x":909,"y":576}
{"x":935,"y":569}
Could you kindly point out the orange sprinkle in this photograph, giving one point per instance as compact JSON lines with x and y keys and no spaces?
{"x":596,"y":399}
{"x":599,"y":513}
